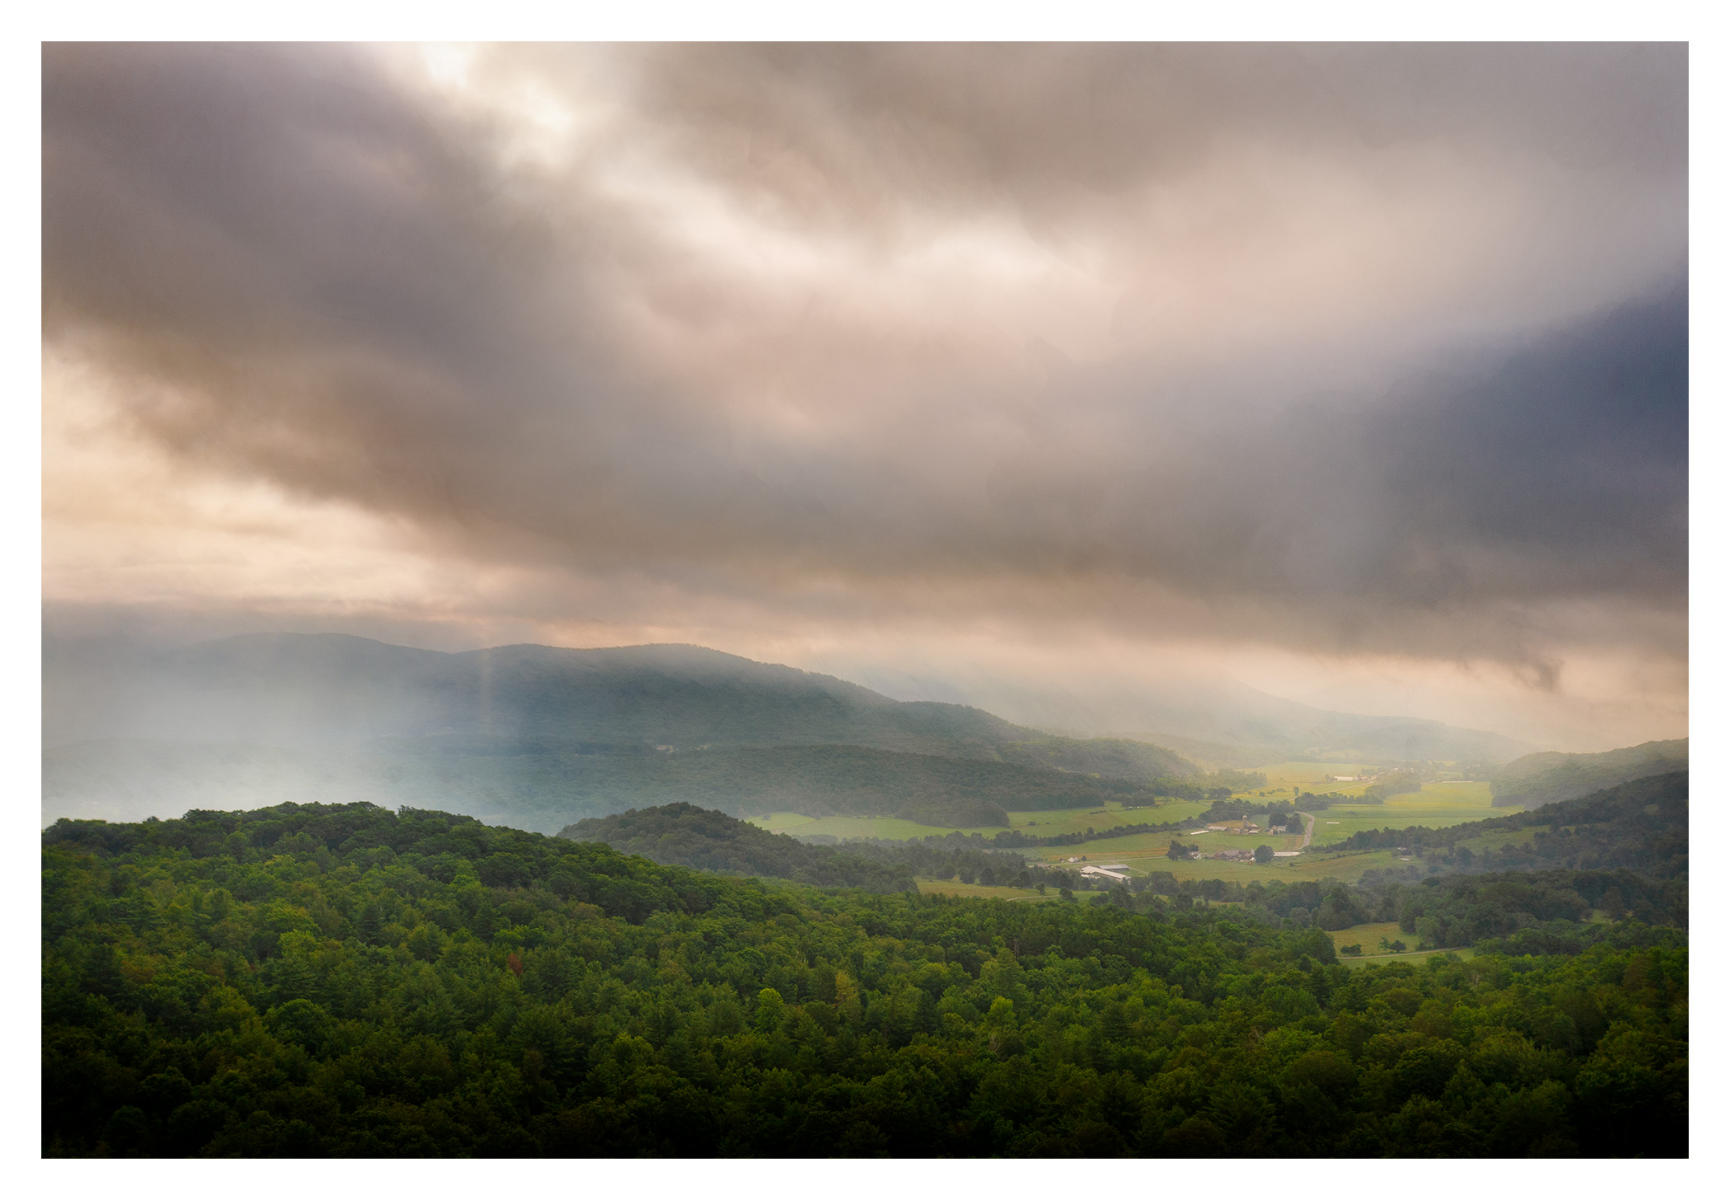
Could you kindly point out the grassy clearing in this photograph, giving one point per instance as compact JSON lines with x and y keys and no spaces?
{"x":1307,"y":777}
{"x":1051,"y":822}
{"x":1436,"y":806}
{"x":1370,"y":936}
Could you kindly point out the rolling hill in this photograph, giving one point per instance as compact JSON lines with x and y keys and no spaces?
{"x":1547,"y":778}
{"x":537,"y":736}
{"x":687,"y":836}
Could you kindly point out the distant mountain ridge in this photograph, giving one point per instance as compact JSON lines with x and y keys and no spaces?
{"x":515,"y":732}
{"x":1219,"y":722}
{"x":319,"y":689}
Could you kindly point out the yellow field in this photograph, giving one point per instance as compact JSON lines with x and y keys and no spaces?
{"x":1307,"y":777}
{"x":1436,"y":806}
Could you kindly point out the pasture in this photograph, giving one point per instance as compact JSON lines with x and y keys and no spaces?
{"x":1436,"y":806}
{"x":1051,"y":822}
{"x":1307,"y":777}
{"x":1370,"y":936}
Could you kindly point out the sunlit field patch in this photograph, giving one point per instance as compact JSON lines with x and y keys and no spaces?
{"x":1308,"y":777}
{"x":1436,"y":806}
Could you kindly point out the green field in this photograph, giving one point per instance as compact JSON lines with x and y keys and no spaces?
{"x":1050,"y":822}
{"x":1436,"y":806}
{"x":1370,"y":938}
{"x":1307,"y":777}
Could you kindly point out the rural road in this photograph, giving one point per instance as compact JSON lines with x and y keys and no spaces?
{"x":1309,"y":828}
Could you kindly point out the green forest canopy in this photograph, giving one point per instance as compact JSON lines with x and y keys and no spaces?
{"x":313,"y":980}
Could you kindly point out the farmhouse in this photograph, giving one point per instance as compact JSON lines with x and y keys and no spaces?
{"x":1092,"y":872}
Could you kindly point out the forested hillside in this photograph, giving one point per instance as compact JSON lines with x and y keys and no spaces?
{"x":1546,"y":778}
{"x":314,"y":980}
{"x":686,"y":836}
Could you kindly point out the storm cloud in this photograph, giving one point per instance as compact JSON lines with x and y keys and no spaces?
{"x":1339,"y":350}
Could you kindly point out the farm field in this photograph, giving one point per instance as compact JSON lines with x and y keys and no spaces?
{"x":1370,"y":937}
{"x":1050,"y":822}
{"x":1437,"y":806}
{"x":1308,"y":777}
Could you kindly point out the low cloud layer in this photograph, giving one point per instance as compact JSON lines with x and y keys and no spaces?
{"x":1339,"y":351}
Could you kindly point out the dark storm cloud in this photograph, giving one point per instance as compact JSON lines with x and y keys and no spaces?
{"x":309,"y":271}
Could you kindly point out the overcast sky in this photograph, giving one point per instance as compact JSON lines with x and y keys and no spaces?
{"x":1355,"y":373}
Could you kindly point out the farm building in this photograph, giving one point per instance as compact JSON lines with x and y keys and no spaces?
{"x":1092,"y":872}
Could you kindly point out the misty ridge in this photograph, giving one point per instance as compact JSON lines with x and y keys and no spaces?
{"x":532,"y":735}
